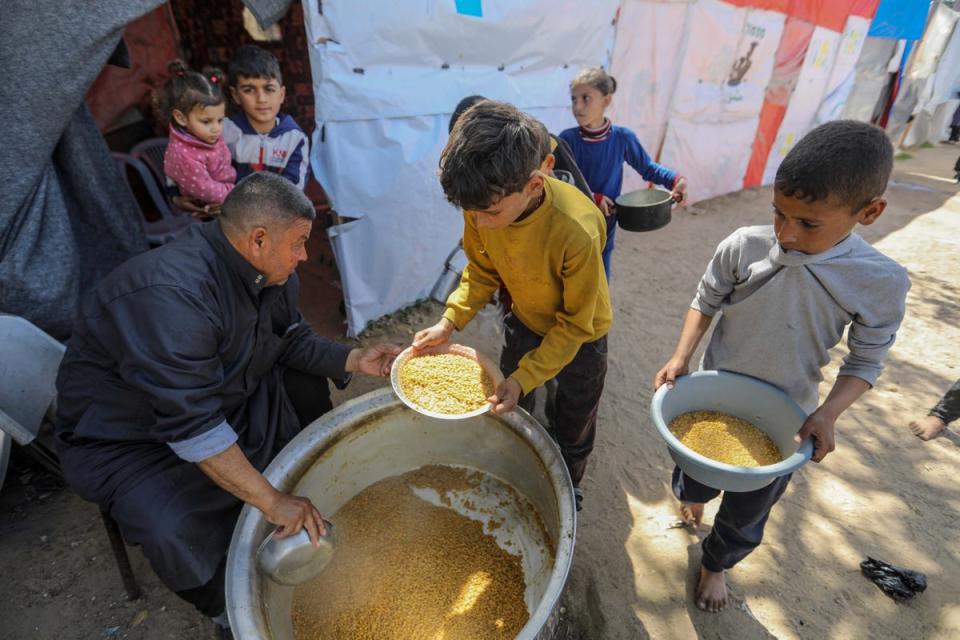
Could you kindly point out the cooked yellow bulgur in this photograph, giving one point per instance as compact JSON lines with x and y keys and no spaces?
{"x":725,"y":438}
{"x":445,"y":383}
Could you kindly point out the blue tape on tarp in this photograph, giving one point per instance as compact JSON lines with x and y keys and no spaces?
{"x":900,"y":19}
{"x":470,"y":8}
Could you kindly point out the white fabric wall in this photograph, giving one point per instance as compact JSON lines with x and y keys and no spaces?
{"x":646,"y":64}
{"x":806,"y":98}
{"x":844,"y":73}
{"x":870,"y":77}
{"x":383,"y":99}
{"x":712,"y":123}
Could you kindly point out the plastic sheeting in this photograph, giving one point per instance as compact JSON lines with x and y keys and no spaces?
{"x":386,"y":80}
{"x":647,"y":67}
{"x":716,"y":105}
{"x":870,"y":78}
{"x":807,"y":96}
{"x":916,"y":96}
{"x":844,"y":73}
{"x":900,"y":19}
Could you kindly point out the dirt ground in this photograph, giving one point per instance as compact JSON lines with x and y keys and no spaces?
{"x":883,"y":493}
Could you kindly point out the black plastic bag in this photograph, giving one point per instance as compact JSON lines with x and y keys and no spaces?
{"x":899,"y":584}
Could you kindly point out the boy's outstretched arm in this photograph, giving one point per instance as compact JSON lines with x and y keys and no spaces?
{"x":694,"y":326}
{"x":820,"y":424}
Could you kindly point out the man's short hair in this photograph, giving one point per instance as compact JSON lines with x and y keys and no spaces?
{"x":253,"y":62}
{"x":847,"y":161}
{"x":493,"y":150}
{"x":265,"y":200}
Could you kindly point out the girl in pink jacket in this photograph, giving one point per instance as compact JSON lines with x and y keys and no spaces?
{"x":197,"y":158}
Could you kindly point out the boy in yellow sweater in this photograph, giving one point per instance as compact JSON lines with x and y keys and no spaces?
{"x":543,"y":239}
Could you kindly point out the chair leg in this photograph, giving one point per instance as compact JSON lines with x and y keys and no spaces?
{"x":120,"y":555}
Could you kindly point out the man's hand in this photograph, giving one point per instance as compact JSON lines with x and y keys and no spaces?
{"x":232,"y":472}
{"x":197,"y":210}
{"x":292,"y":513}
{"x":676,"y":366}
{"x":374,"y":360}
{"x":506,"y":397}
{"x":432,"y":336}
{"x":679,"y":192}
{"x":819,"y":426}
{"x":607,"y":206}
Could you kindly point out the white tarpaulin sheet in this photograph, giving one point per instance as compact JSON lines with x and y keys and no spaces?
{"x":646,"y":65}
{"x":844,"y":73}
{"x":806,"y":98}
{"x":386,"y":79}
{"x":871,"y":77}
{"x":918,"y":85}
{"x":726,"y":67}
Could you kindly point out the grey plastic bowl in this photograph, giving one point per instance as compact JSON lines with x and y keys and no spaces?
{"x":757,"y":402}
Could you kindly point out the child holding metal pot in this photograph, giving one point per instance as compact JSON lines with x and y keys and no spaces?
{"x":600,"y":148}
{"x":543,"y":239}
{"x":787,"y":294}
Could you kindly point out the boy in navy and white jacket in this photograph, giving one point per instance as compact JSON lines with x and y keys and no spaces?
{"x":260,"y":138}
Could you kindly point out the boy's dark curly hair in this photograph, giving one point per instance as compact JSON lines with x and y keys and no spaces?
{"x":493,"y":150}
{"x":844,"y":160}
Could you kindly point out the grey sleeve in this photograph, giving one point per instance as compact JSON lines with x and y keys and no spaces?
{"x":720,"y":277}
{"x":874,"y":329}
{"x":206,"y":444}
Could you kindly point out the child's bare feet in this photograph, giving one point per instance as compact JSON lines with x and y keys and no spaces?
{"x":928,"y":427}
{"x":711,"y":592}
{"x":691,"y":513}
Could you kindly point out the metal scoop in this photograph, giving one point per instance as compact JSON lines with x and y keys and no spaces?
{"x":294,"y":560}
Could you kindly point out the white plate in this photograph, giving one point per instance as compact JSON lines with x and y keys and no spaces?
{"x":485,"y":363}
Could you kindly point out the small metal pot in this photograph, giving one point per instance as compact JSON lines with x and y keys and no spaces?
{"x":449,"y":280}
{"x":644,"y":210}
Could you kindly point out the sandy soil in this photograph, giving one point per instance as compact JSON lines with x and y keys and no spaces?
{"x":883,"y":493}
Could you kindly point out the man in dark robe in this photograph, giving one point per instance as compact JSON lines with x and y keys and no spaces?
{"x":189,"y":369}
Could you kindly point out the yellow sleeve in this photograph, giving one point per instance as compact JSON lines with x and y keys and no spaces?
{"x":582,"y":283}
{"x":477,"y":284}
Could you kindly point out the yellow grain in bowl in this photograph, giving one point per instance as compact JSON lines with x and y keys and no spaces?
{"x":724,"y":438}
{"x":447,"y":383}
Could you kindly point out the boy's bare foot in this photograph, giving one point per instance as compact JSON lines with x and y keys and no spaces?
{"x":928,"y":427}
{"x":711,"y":592}
{"x":691,"y":513}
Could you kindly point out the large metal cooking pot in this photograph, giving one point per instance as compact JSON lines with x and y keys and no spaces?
{"x":375,"y":437}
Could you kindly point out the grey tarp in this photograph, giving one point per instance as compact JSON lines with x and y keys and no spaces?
{"x":65,"y":219}
{"x":268,"y":12}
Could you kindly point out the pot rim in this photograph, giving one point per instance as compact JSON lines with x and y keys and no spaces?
{"x":667,"y":197}
{"x":244,"y":583}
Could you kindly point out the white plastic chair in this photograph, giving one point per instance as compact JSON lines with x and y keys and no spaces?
{"x":29,"y":360}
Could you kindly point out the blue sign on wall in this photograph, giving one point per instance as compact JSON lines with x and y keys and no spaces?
{"x":470,"y":8}
{"x":900,"y":19}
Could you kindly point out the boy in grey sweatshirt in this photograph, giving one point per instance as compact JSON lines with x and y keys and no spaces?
{"x":786,"y":294}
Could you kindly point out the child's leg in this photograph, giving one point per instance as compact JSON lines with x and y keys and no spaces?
{"x":611,"y":241}
{"x":579,"y":387}
{"x":737,"y":531}
{"x":692,"y":496}
{"x":518,"y":340}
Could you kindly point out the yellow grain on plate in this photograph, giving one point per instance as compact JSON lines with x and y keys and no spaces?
{"x":445,"y":383}
{"x":725,"y":438}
